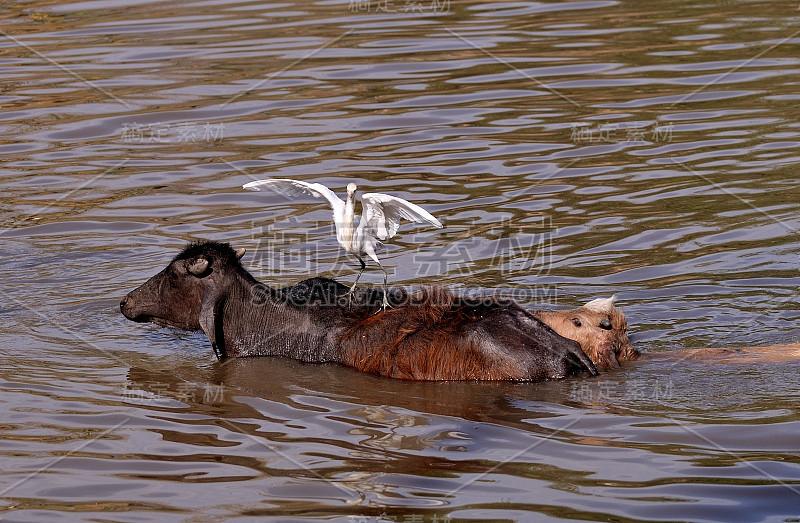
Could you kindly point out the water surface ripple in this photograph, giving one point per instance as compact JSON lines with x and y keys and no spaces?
{"x":571,"y":149}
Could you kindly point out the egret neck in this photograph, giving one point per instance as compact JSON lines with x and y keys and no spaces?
{"x":348,"y":218}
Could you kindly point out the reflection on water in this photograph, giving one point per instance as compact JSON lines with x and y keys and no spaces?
{"x":572,"y":150}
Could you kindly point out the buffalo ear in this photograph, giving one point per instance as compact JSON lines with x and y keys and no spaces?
{"x":211,"y":323}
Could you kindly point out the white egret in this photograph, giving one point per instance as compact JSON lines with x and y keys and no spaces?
{"x":380,"y":218}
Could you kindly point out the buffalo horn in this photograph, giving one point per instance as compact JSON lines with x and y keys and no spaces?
{"x":240,"y":253}
{"x":198,"y":267}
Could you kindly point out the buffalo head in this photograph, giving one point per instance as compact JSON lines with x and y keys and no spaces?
{"x":599,"y":327}
{"x":189,"y":292}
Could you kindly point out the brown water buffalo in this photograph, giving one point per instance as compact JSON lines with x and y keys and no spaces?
{"x":429,"y":335}
{"x":599,"y":327}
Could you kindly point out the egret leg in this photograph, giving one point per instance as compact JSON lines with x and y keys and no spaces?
{"x":353,"y":288}
{"x":370,"y":250}
{"x":385,"y":290}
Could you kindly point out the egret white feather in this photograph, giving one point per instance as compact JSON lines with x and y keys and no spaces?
{"x":380,"y":217}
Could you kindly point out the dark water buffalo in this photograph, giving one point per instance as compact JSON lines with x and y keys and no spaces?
{"x":431,"y":335}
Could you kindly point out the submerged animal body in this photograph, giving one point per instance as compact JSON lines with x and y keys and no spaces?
{"x":430,"y":335}
{"x":600,"y":328}
{"x":380,"y":217}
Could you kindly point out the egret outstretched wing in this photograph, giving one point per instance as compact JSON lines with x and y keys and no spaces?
{"x":381,"y":214}
{"x":380,"y":218}
{"x":296,"y":188}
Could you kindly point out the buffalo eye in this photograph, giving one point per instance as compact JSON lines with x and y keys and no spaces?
{"x":576,"y":322}
{"x":605,"y":323}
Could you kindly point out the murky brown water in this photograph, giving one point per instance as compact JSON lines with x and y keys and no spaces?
{"x":572,"y":150}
